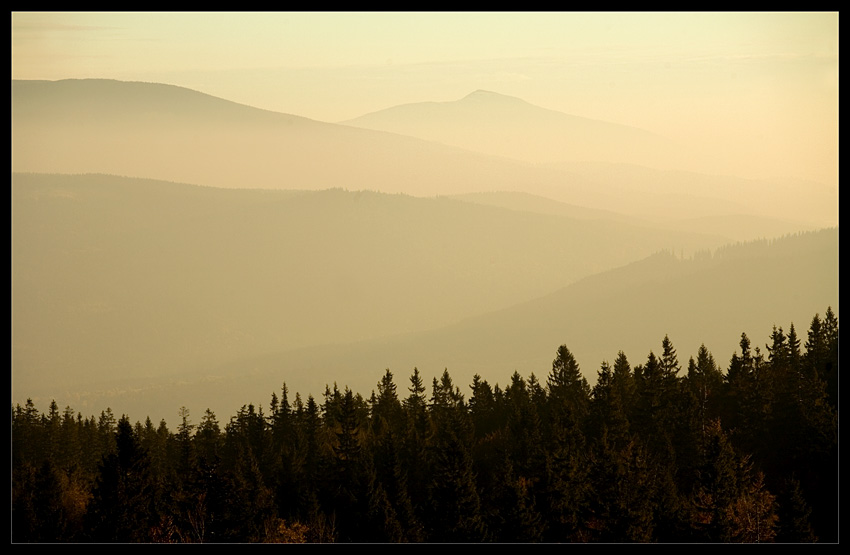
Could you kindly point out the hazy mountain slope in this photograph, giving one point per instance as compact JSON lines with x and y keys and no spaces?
{"x":503,"y":125}
{"x":165,"y":132}
{"x":734,"y":227}
{"x":711,"y":300}
{"x":115,"y":277}
{"x":666,"y":193}
{"x":515,"y":200}
{"x":613,"y":167}
{"x":746,"y":288}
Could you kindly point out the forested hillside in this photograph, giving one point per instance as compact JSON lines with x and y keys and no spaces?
{"x":658,"y":450}
{"x":134,"y":278}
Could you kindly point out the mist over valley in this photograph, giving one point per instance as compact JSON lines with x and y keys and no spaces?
{"x":163,"y":235}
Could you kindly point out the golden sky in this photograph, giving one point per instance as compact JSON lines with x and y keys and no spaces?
{"x":762,"y":85}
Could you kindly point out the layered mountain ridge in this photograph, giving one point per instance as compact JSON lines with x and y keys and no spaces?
{"x":161,"y":236}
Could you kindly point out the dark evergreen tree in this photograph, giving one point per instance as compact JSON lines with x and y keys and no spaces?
{"x":208,"y":437}
{"x":621,"y":493}
{"x":753,"y":513}
{"x":70,"y":448}
{"x":243,"y":508}
{"x":349,"y":482}
{"x":380,"y":522}
{"x":510,"y":507}
{"x":803,"y":436}
{"x":717,"y":488}
{"x":705,"y":382}
{"x":454,"y":507}
{"x":568,"y":390}
{"x":794,"y":515}
{"x":387,"y":410}
{"x":482,"y":408}
{"x":623,"y":383}
{"x":651,"y":414}
{"x":524,"y":432}
{"x":39,"y":511}
{"x":392,"y":477}
{"x":27,"y":436}
{"x":645,"y":456}
{"x":121,"y":509}
{"x":321,"y":527}
{"x":828,"y":368}
{"x":669,"y":360}
{"x":607,"y":413}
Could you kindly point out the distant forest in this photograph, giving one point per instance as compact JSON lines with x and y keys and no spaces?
{"x":662,"y":451}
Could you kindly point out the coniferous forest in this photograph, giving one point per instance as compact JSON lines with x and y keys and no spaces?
{"x":660,"y":449}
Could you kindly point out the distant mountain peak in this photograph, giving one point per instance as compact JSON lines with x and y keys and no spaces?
{"x":482,"y":95}
{"x":482,"y":92}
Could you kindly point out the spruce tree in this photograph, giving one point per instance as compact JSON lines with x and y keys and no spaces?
{"x":121,"y":507}
{"x":794,"y":515}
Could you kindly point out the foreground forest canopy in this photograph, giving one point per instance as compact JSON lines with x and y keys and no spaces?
{"x":662,"y":451}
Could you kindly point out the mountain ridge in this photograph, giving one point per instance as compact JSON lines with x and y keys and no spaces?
{"x":137,"y":276}
{"x":708,"y":299}
{"x":184,"y":136}
{"x":485,"y":99}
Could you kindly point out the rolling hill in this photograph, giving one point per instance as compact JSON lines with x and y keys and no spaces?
{"x":311,"y":252}
{"x":614,"y":167}
{"x":493,"y":123}
{"x":165,"y":132}
{"x":117,"y":277}
{"x":170,"y":133}
{"x":710,"y":299}
{"x":146,"y":296}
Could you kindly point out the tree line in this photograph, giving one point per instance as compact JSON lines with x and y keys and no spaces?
{"x":656,"y":452}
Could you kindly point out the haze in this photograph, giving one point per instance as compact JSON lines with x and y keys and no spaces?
{"x":206,"y":205}
{"x":758,"y":90}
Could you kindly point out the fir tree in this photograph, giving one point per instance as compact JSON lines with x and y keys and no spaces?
{"x":121,"y":507}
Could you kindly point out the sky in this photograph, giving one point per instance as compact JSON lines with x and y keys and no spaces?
{"x":764,"y":84}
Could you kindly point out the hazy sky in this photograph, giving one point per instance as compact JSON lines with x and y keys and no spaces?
{"x":763,"y":83}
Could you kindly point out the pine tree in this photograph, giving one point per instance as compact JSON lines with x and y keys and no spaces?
{"x":186,"y":448}
{"x":794,"y":515}
{"x":511,"y":511}
{"x":705,"y":381}
{"x":208,"y":437}
{"x":39,"y":514}
{"x":566,"y":484}
{"x":608,"y":413}
{"x":829,"y":370}
{"x":753,"y":513}
{"x":651,"y":414}
{"x":524,"y":432}
{"x":482,"y":407}
{"x":380,"y":522}
{"x":245,"y":511}
{"x":669,"y":360}
{"x":569,"y":391}
{"x":121,"y":508}
{"x":716,"y":489}
{"x":349,"y":481}
{"x":27,"y":436}
{"x":387,"y":409}
{"x":623,"y":383}
{"x":70,"y":449}
{"x":392,"y":477}
{"x":455,"y":505}
{"x":821,"y":358}
{"x":621,"y":493}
